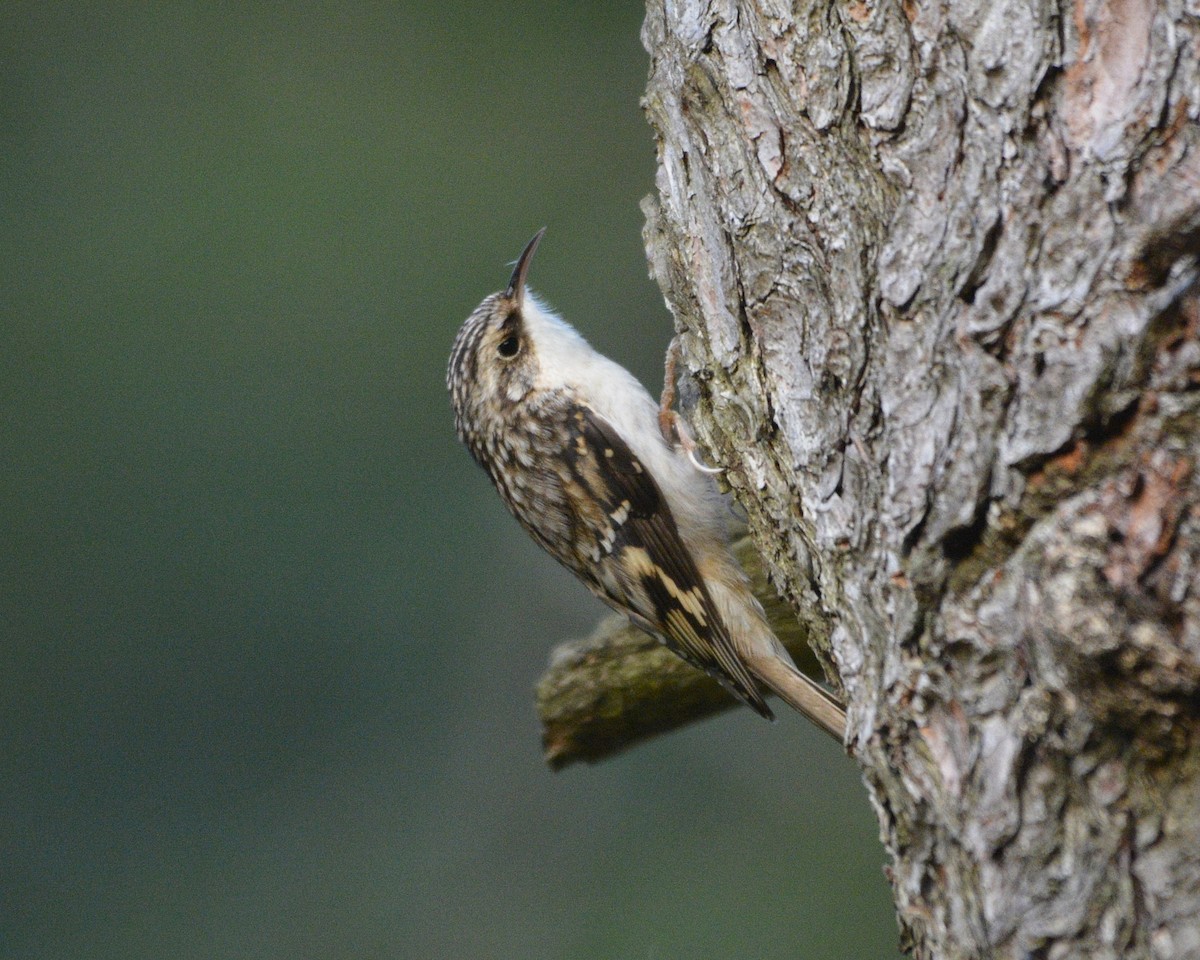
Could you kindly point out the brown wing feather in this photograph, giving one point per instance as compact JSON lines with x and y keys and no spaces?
{"x":636,"y":559}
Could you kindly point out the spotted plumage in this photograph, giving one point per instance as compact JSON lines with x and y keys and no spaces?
{"x":571,"y":442}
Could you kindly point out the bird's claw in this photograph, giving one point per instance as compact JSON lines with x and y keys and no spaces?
{"x":673,"y":427}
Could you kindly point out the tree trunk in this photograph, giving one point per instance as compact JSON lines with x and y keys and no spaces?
{"x":934,"y":267}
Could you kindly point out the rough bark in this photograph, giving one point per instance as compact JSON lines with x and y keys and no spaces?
{"x":934,"y":270}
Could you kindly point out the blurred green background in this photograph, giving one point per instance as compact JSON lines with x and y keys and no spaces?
{"x":268,"y":637}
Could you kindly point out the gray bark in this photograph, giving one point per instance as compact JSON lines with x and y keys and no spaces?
{"x":934,"y":269}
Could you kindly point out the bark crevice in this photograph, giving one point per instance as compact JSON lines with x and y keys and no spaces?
{"x":934,"y":270}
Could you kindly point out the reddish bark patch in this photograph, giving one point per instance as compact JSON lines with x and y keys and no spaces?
{"x":1143,"y":509}
{"x":858,"y":11}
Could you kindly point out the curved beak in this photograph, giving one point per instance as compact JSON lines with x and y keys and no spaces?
{"x":516,"y":286}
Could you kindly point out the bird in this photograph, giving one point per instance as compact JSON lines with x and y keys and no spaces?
{"x":576,"y":448}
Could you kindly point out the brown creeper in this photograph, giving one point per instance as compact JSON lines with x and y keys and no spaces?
{"x":572,"y":442}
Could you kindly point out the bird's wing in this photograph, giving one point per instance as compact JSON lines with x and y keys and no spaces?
{"x":630,"y":552}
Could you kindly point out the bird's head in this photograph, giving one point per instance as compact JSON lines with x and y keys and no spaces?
{"x":495,"y":359}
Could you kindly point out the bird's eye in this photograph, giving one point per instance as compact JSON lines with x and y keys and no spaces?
{"x":509,"y":346}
